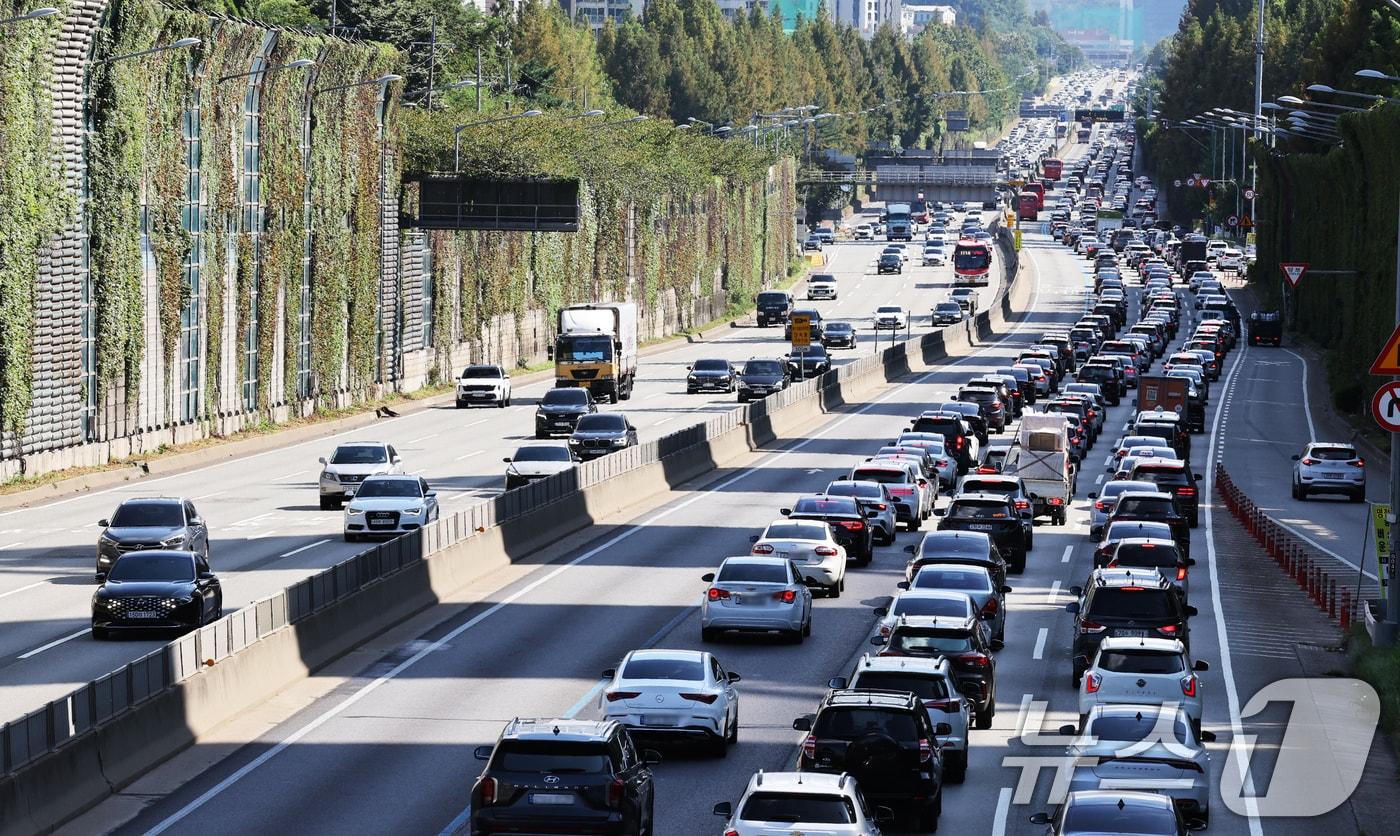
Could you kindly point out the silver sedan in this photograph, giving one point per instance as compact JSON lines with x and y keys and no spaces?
{"x":758,"y":595}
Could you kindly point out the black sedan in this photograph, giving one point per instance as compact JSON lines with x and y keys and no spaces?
{"x":600,"y":434}
{"x":808,"y":362}
{"x":762,"y":377}
{"x":560,"y":409}
{"x":712,"y":375}
{"x":839,"y":335}
{"x":889,"y":263}
{"x":156,"y":589}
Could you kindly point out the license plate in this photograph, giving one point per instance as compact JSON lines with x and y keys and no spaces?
{"x":1332,"y":474}
{"x":1132,"y":634}
{"x":481,"y":394}
{"x":737,"y":599}
{"x":982,"y":527}
{"x":143,"y":614}
{"x":557,"y":798}
{"x":654,"y":720}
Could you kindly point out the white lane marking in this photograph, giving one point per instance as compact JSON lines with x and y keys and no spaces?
{"x":456,"y":825}
{"x":374,"y":685}
{"x":1108,"y":462}
{"x":469,"y":455}
{"x":13,"y":545}
{"x":21,"y":589}
{"x":305,"y":548}
{"x":1307,"y":403}
{"x":421,"y":438}
{"x":665,"y":420}
{"x":476,"y":423}
{"x":1069,"y":552}
{"x":51,"y":645}
{"x":1003,"y":810}
{"x":251,"y":520}
{"x":655,"y":395}
{"x":1098,"y":480}
{"x":1227,"y":666}
{"x":1053,"y":593}
{"x":1040,"y":637}
{"x":291,"y":476}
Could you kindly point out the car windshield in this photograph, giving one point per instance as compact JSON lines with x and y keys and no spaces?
{"x":542,"y":453}
{"x":882,"y":475}
{"x":1333,"y":454}
{"x":360,"y":454}
{"x":1109,"y":818}
{"x":152,"y":567}
{"x":936,"y":578}
{"x":482,"y":371}
{"x":711,"y":365}
{"x":949,"y":308}
{"x":978,"y":510}
{"x":814,"y":352}
{"x":862,"y":490}
{"x":930,"y":642}
{"x":792,"y":808}
{"x":894,"y":309}
{"x":602,"y":422}
{"x":1133,"y":727}
{"x":796,"y":531}
{"x":687,"y":670}
{"x":921,"y":685}
{"x":148,"y":515}
{"x":1133,"y":528}
{"x":1148,"y":555}
{"x":763,"y":367}
{"x":919,"y":605}
{"x":746,"y":572}
{"x":552,"y":756}
{"x":1131,"y":505}
{"x":825,"y":506}
{"x":1161,"y":476}
{"x":772,"y":298}
{"x":838,"y":327}
{"x":988,"y":485}
{"x":1140,"y":661}
{"x":566,"y":396}
{"x":389,"y":487}
{"x":585,"y":348}
{"x":852,"y":723}
{"x":1131,"y":602}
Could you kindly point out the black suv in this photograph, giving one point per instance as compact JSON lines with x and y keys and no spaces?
{"x":886,"y":741}
{"x":151,"y":523}
{"x":564,"y":776}
{"x":847,"y":521}
{"x":762,"y":377}
{"x":955,"y":435}
{"x":1125,"y":602}
{"x":963,"y":641}
{"x":810,"y":361}
{"x":993,"y":514}
{"x":1176,"y":479}
{"x":560,"y":409}
{"x":972,"y":414}
{"x":1106,"y":376}
{"x":991,"y":404}
{"x":773,"y":307}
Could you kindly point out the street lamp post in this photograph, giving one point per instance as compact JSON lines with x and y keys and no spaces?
{"x":457,"y":133}
{"x":34,"y":15}
{"x":180,"y":44}
{"x":298,"y":64}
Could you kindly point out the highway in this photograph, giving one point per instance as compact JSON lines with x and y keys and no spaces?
{"x":265,"y":525}
{"x":401,"y":729}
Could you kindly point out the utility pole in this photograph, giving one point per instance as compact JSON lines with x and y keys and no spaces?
{"x":1386,"y":631}
{"x":478,"y":79}
{"x":432,"y":62}
{"x":1258,"y":96}
{"x":333,"y":18}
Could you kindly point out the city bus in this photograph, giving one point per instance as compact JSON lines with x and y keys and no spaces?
{"x":1052,"y":167}
{"x":972,"y":262}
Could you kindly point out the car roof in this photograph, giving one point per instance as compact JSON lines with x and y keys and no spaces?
{"x":981,"y":496}
{"x":871,"y":698}
{"x":1128,"y":798}
{"x":1152,"y":645}
{"x":1120,"y":577}
{"x":362,"y":444}
{"x":1153,"y":494}
{"x":152,"y":500}
{"x":401,"y":477}
{"x":753,"y":560}
{"x":559,"y":729}
{"x":937,"y":622}
{"x":794,"y":783}
{"x":930,"y":665}
{"x":664,"y":653}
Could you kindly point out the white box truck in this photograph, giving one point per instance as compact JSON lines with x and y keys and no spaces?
{"x":1040,"y":457}
{"x":595,"y":347}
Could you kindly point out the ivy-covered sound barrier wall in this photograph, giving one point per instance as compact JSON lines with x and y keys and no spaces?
{"x":33,"y":203}
{"x":1353,"y":186}
{"x":243,"y":222}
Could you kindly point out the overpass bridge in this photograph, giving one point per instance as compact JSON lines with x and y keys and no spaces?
{"x":956,"y":183}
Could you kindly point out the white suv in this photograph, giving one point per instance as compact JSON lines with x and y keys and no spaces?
{"x":349,"y":466}
{"x":1329,"y":467}
{"x":483,"y":384}
{"x":821,"y":286}
{"x":799,"y":802}
{"x":1152,"y":671}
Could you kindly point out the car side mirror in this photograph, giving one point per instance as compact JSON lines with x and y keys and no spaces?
{"x":206,"y":576}
{"x":939,"y":512}
{"x":322,"y":459}
{"x":1200,"y":666}
{"x":943,"y":729}
{"x":708,"y":577}
{"x":733,"y":677}
{"x":910,"y":549}
{"x":690,"y":368}
{"x":1190,"y":561}
{"x":651,"y":757}
{"x":397,"y":460}
{"x":1207,"y":736}
{"x":506,"y":459}
{"x":1069,"y":730}
{"x":871,"y":514}
{"x":879,"y":641}
{"x":902,"y":585}
{"x":1196,"y":476}
{"x":1093,"y":495}
{"x":836,"y":683}
{"x":724,"y":808}
{"x":104,"y":523}
{"x":196,"y":521}
{"x":996,"y":644}
{"x":1296,"y":458}
{"x":549,"y":352}
{"x":1072,"y":607}
{"x":753,"y":538}
{"x":608,"y":674}
{"x":1076,"y":590}
{"x":432,"y":494}
{"x":482,"y":753}
{"x":884,"y":816}
{"x":1190,"y":610}
{"x":785,"y":511}
{"x":881,"y":611}
{"x":1005,"y":590}
{"x":803,"y":723}
{"x":101,"y":577}
{"x":1040,"y":818}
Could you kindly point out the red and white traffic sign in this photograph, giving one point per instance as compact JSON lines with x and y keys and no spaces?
{"x":1248,"y":194}
{"x":1232,"y":221}
{"x":1177,"y":183}
{"x":1388,"y":361}
{"x":1385,"y":407}
{"x":1293,"y":271}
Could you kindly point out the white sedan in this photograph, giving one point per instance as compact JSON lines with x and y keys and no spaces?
{"x":390,"y":505}
{"x":675,"y":695}
{"x":811,"y":547}
{"x":891,"y":318}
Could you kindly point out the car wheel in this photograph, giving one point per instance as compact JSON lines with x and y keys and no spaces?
{"x":834,"y":591}
{"x":984,"y":718}
{"x":352,"y":538}
{"x":733,"y":736}
{"x":915,"y":524}
{"x":1019,"y":564}
{"x":328,"y":504}
{"x":709,"y":634}
{"x":807,"y":628}
{"x":1358,"y":497}
{"x":99,"y":634}
{"x":955,"y":768}
{"x":719,"y":746}
{"x":539,"y":434}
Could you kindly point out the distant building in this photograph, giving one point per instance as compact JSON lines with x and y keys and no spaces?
{"x":740,"y":8}
{"x":914,"y":17}
{"x":791,"y":10}
{"x":597,"y":12}
{"x":867,"y":15}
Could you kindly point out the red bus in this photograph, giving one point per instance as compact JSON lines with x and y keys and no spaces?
{"x":1052,"y":167}
{"x":1027,"y":206}
{"x":972,"y":262}
{"x":1038,"y":189}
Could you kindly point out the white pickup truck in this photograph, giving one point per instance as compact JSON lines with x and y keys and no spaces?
{"x":1040,"y":457}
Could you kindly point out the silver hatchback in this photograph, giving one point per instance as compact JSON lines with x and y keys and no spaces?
{"x":1329,"y":467}
{"x":758,"y":595}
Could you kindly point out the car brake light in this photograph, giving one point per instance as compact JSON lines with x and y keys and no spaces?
{"x":1101,"y":505}
{"x":763,"y":548}
{"x":1167,"y":630}
{"x":1185,"y":491}
{"x":943,"y":705}
{"x":853,"y":525}
{"x":882,"y":506}
{"x":824,"y":551}
{"x":809,"y":747}
{"x":707,"y":699}
{"x":976,"y":660}
{"x":615,"y":788}
{"x":1091,"y":627}
{"x":717,"y":594}
{"x":990,"y":608}
{"x":1022,"y":504}
{"x":787,"y":596}
{"x":488,"y":791}
{"x":1358,"y":463}
{"x":942,"y":462}
{"x":1092,"y":682}
{"x":614,"y":696}
{"x":961,"y":442}
{"x":1181,"y":573}
{"x":731,"y":832}
{"x":925,"y":750}
{"x":1057,"y":500}
{"x":986,"y":469}
{"x":1188,"y":686}
{"x":1310,"y":461}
